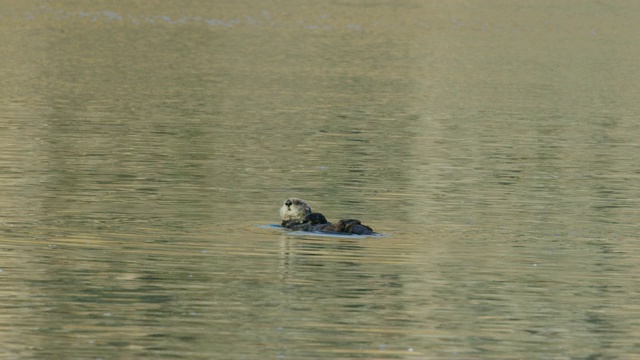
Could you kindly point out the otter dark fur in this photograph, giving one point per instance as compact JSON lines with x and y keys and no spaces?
{"x":296,"y":215}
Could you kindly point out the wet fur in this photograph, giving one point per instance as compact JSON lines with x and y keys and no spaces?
{"x":297,"y":215}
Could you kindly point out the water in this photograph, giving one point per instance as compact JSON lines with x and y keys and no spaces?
{"x":145,"y":148}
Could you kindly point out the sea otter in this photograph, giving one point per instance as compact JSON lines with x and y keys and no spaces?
{"x":296,"y":214}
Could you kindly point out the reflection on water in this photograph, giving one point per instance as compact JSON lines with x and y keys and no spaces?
{"x":144,"y":147}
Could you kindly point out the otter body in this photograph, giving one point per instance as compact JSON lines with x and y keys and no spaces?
{"x":296,"y":214}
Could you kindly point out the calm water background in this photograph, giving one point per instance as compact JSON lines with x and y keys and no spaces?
{"x":144,"y":144}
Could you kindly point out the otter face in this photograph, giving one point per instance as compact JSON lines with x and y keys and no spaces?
{"x":294,"y":209}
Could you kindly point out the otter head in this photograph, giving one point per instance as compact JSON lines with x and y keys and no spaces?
{"x":294,"y":209}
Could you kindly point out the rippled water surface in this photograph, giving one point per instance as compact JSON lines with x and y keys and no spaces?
{"x":145,"y":148}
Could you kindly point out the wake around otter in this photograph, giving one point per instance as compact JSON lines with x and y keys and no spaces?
{"x":296,"y":215}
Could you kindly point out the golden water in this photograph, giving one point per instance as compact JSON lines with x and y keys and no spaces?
{"x":144,"y":147}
